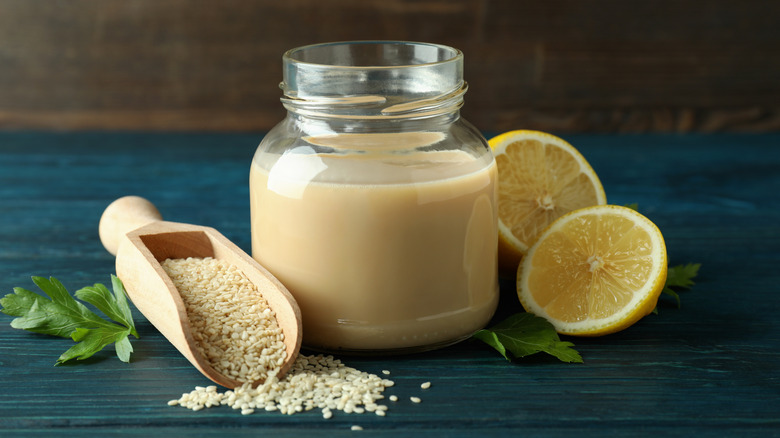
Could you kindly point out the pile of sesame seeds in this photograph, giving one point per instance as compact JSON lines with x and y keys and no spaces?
{"x":238,"y":334}
{"x":314,"y":382}
{"x":231,"y":322}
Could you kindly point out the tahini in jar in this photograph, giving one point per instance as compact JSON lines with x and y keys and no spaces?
{"x":374,"y":202}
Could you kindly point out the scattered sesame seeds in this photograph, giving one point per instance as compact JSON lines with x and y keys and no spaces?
{"x":313,"y":382}
{"x":237,"y":333}
{"x":415,"y":399}
{"x":425,"y":385}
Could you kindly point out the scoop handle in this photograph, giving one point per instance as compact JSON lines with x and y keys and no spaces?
{"x":123,"y":216}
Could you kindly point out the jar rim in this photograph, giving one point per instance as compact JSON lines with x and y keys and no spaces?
{"x":373,"y":79}
{"x":327,"y":54}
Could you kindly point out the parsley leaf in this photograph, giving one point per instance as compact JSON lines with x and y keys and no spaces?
{"x":114,"y":306}
{"x":62,"y":315}
{"x":523,"y":334}
{"x":680,"y":276}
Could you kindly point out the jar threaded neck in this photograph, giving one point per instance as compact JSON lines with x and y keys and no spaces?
{"x":373,"y":79}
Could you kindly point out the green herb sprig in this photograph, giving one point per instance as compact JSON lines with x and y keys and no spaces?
{"x":62,"y":315}
{"x":679,"y":277}
{"x":523,"y":333}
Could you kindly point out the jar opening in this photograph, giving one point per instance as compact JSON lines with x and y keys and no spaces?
{"x":369,"y":54}
{"x":366,"y":79}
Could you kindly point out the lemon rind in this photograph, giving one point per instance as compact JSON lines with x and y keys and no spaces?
{"x":499,"y":144}
{"x":633,"y":311}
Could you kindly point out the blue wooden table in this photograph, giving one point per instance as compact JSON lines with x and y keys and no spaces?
{"x":709,"y":368}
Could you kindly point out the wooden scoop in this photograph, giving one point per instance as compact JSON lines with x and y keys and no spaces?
{"x":132,"y":229}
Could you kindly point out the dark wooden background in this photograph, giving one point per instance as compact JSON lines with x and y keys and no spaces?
{"x":557,"y":65}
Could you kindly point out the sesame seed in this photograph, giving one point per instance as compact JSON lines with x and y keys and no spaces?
{"x":313,"y":381}
{"x":214,"y":294}
{"x":415,"y":399}
{"x":394,"y":398}
{"x":356,"y":427}
{"x":425,"y":385}
{"x":386,"y":372}
{"x":238,"y":334}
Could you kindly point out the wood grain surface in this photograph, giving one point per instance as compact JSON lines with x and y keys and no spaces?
{"x":559,"y":65}
{"x":707,"y":369}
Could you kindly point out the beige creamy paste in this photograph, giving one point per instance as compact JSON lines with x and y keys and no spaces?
{"x":382,"y":250}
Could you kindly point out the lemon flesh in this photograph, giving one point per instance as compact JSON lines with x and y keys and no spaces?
{"x":541,"y":178}
{"x":594,"y":271}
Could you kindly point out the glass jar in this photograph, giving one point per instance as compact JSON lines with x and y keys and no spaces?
{"x":374,"y":202}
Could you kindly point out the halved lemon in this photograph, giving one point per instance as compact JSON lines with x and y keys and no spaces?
{"x":594,"y":271}
{"x":541,"y":178}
